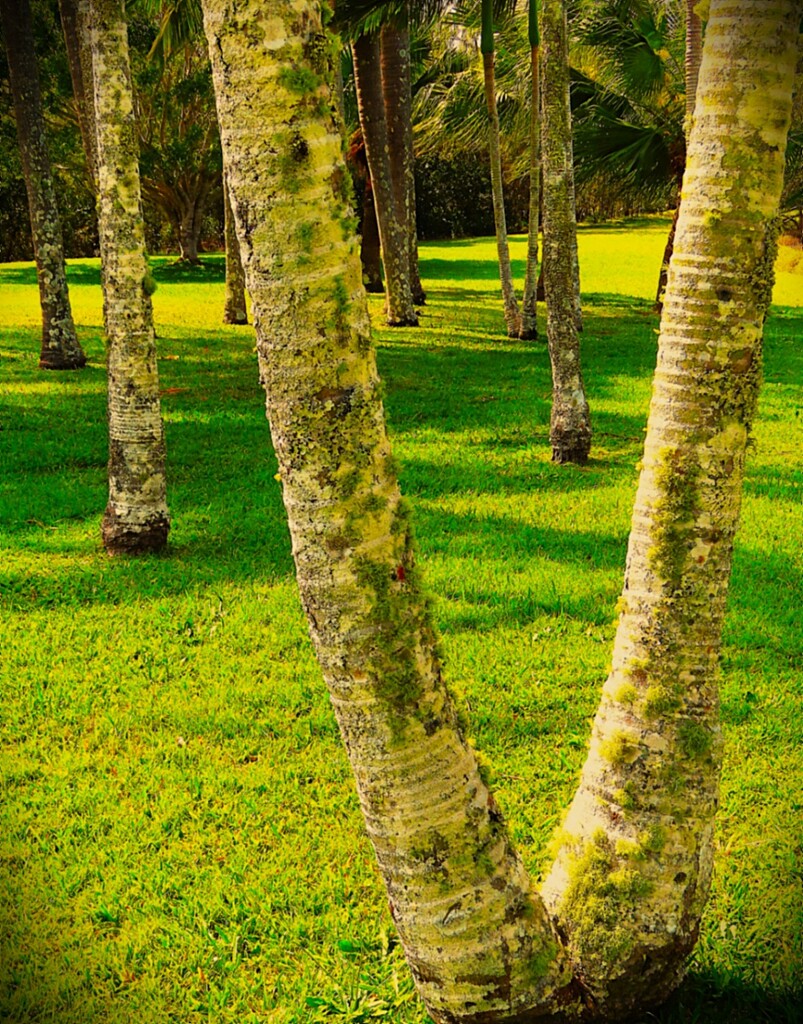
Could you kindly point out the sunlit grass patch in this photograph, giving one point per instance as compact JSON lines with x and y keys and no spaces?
{"x":179,"y":835}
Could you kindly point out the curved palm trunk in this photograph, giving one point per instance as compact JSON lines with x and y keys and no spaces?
{"x":478,"y":942}
{"x":627,"y":889}
{"x":234,"y":310}
{"x":529,"y":305}
{"x":136,"y":517}
{"x":392,"y":229}
{"x":629,"y":885}
{"x":397,"y":95}
{"x":570,"y":425}
{"x":511,"y":306}
{"x":61,"y":349}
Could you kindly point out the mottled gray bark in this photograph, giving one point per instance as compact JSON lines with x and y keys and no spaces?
{"x":398,"y":101}
{"x":392,"y":231}
{"x":136,"y":517}
{"x":570,"y":425}
{"x":235,"y":310}
{"x":60,"y":347}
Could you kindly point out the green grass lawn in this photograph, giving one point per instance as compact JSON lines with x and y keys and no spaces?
{"x":179,"y":836}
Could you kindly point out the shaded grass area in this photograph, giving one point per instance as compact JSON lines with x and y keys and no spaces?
{"x":179,"y":837}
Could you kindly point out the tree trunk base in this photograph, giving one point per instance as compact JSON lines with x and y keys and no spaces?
{"x":237,"y":317}
{"x":122,"y":539}
{"x":406,"y":321}
{"x":56,"y":360}
{"x":573,"y":450}
{"x":192,"y":261}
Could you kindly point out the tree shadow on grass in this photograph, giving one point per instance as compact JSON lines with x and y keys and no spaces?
{"x":708,"y":997}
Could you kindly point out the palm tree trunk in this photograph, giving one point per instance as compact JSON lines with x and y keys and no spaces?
{"x":398,"y":100}
{"x":629,"y":885}
{"x":478,"y":943}
{"x":369,"y":243}
{"x":74,"y":22}
{"x":235,"y":310}
{"x":529,"y":305}
{"x":61,"y":349}
{"x":511,"y":306}
{"x":136,"y":517}
{"x":694,"y":53}
{"x":570,"y":426}
{"x":392,"y":230}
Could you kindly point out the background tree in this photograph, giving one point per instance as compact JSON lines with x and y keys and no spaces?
{"x":61,"y":349}
{"x":393,"y":231}
{"x":529,"y":304}
{"x":570,"y":422}
{"x":136,"y":517}
{"x":511,"y":306}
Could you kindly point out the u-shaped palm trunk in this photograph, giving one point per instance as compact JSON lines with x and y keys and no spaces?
{"x":620,"y":909}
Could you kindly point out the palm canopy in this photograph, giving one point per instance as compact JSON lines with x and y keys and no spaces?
{"x":629,"y":94}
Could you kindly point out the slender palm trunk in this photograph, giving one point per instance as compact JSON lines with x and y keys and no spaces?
{"x":370,"y":249}
{"x":235,"y":310}
{"x":529,"y":305}
{"x":570,"y":426}
{"x":694,"y":56}
{"x":392,"y":230}
{"x":61,"y":349}
{"x":398,"y":100}
{"x":511,"y":306}
{"x":694,"y":53}
{"x":136,"y":517}
{"x":629,"y":885}
{"x":75,"y":24}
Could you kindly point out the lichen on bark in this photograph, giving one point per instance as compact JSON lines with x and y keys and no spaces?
{"x":61,"y":349}
{"x":136,"y":517}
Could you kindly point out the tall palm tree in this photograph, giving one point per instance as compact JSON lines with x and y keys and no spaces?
{"x":74,"y":21}
{"x":136,"y":517}
{"x":570,"y":424}
{"x":511,"y":306}
{"x":626,"y":893}
{"x":529,"y":304}
{"x":61,"y":349}
{"x":390,"y":202}
{"x":395,"y":61}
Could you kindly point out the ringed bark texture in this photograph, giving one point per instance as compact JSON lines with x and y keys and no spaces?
{"x":398,"y":100}
{"x":136,"y":517}
{"x":479,"y":944}
{"x":392,"y":229}
{"x":630,"y":883}
{"x":570,"y":424}
{"x":61,"y":349}
{"x":234,"y":310}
